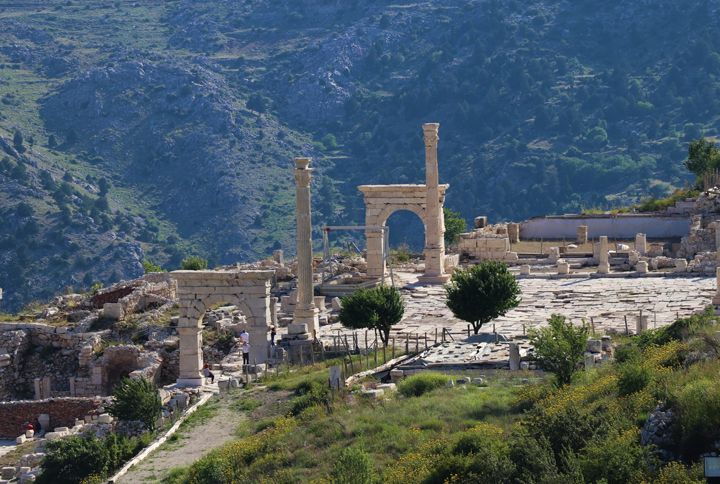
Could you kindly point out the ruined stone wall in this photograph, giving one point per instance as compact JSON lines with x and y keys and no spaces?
{"x":13,"y":347}
{"x":487,"y":244}
{"x":62,"y":411}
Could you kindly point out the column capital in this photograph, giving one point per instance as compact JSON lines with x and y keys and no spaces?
{"x":430,"y":133}
{"x":302,"y":163}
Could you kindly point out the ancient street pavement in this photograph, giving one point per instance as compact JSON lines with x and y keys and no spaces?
{"x":606,"y":300}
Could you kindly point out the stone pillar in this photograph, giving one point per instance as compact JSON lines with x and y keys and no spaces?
{"x":513,"y":230}
{"x":434,"y":219}
{"x":582,"y":234}
{"x":681,"y":265}
{"x":641,"y":244}
{"x":480,"y":222}
{"x":563,"y":267}
{"x":191,"y":357}
{"x":554,"y":254}
{"x":603,"y":265}
{"x":514,"y":358}
{"x":273,"y":311}
{"x":641,"y":323}
{"x":525,"y":270}
{"x":279,"y":257}
{"x":642,"y":267}
{"x":305,"y":317}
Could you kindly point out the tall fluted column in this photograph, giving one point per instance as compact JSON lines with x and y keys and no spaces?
{"x":306,"y":314}
{"x":434,"y":219}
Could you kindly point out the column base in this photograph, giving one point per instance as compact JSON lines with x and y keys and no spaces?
{"x":190,"y":382}
{"x":429,"y":280}
{"x":603,"y":268}
{"x":307,"y":317}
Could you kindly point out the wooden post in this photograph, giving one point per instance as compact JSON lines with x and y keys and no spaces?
{"x":654,"y":320}
{"x":407,"y":344}
{"x":384,"y":353}
{"x":435,"y":335}
{"x":468,"y":330}
{"x":592,"y":325}
{"x":417,"y":343}
{"x":627,"y":330}
{"x":393,"y":348}
{"x":426,"y":346}
{"x":375,"y":345}
{"x":523,"y":330}
{"x":312,"y":354}
{"x":301,"y":355}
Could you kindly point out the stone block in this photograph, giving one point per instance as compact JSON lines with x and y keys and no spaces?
{"x":104,"y":418}
{"x":563,"y":267}
{"x":375,"y":394}
{"x":642,"y":267}
{"x":7,"y":472}
{"x":525,"y":270}
{"x":681,"y":265}
{"x":53,"y":436}
{"x":113,"y":311}
{"x":20,"y":439}
{"x":387,"y":387}
{"x":594,"y":345}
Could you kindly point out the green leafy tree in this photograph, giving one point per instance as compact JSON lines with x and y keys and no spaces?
{"x":703,"y":156}
{"x":136,"y":399}
{"x":482,"y":293}
{"x":151,"y":267}
{"x":375,"y":308}
{"x":454,"y":226}
{"x":559,"y":347}
{"x":194,"y":263}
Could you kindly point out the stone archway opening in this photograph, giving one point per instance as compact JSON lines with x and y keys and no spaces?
{"x":406,"y":229}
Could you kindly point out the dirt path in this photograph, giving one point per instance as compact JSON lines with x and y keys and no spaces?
{"x":192,"y":442}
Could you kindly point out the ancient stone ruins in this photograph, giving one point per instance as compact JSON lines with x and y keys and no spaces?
{"x":615,"y":273}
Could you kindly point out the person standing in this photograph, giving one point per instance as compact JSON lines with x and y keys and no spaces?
{"x":208,"y":374}
{"x":273,"y":333}
{"x":246,"y":353}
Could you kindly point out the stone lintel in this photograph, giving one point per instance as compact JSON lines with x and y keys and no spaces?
{"x":223,"y":275}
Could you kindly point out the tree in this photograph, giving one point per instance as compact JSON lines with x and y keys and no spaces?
{"x":559,"y":347}
{"x":18,"y":141}
{"x":353,"y":466}
{"x":375,"y":308}
{"x":256,"y":102}
{"x":136,"y":399}
{"x":454,"y":225}
{"x":703,"y":156}
{"x":194,"y":263}
{"x":149,"y":266}
{"x":482,"y":293}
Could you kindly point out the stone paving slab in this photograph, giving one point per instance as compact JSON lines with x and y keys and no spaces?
{"x":604,"y":301}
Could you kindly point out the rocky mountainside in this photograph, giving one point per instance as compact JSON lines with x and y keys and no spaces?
{"x":149,"y":130}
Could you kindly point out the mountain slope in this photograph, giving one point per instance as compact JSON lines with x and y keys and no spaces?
{"x":152,"y":130}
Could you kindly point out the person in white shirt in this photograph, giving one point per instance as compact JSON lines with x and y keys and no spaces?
{"x":208,"y":374}
{"x":246,"y":353}
{"x":245,"y":336}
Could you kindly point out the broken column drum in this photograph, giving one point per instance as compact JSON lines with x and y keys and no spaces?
{"x":603,"y":258}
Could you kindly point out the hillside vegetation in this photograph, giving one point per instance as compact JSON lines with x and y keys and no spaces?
{"x":646,"y":417}
{"x":152,"y":130}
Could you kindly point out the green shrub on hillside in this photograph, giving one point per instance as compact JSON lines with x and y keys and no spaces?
{"x":633,"y":377}
{"x":421,"y":383}
{"x":71,"y":460}
{"x":136,"y":399}
{"x":308,"y":394}
{"x":353,"y":466}
{"x":697,"y":404}
{"x":559,"y":347}
{"x":194,"y":263}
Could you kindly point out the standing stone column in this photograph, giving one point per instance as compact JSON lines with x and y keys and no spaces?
{"x":513,"y":230}
{"x":191,"y":357}
{"x":582,"y":234}
{"x":604,"y":265}
{"x":641,"y":244}
{"x":305,"y":317}
{"x":434,"y":219}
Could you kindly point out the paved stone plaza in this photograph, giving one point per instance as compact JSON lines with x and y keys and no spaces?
{"x":606,"y":300}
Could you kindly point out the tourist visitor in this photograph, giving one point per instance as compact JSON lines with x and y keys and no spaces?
{"x":208,"y":374}
{"x":244,"y":336}
{"x":246,"y":353}
{"x":273,"y":333}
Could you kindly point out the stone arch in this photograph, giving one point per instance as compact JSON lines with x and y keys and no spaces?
{"x":381,"y":201}
{"x":197,"y":290}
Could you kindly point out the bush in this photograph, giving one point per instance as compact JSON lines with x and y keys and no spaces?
{"x":615,"y":458}
{"x":136,"y":399}
{"x":376,"y":308}
{"x":482,"y":293}
{"x":454,"y":226}
{"x":353,"y":466}
{"x":559,"y":347}
{"x":633,"y":377}
{"x":76,"y":458}
{"x":308,"y":394}
{"x":151,"y":267}
{"x":194,"y":263}
{"x":421,"y":383}
{"x":697,"y":405}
